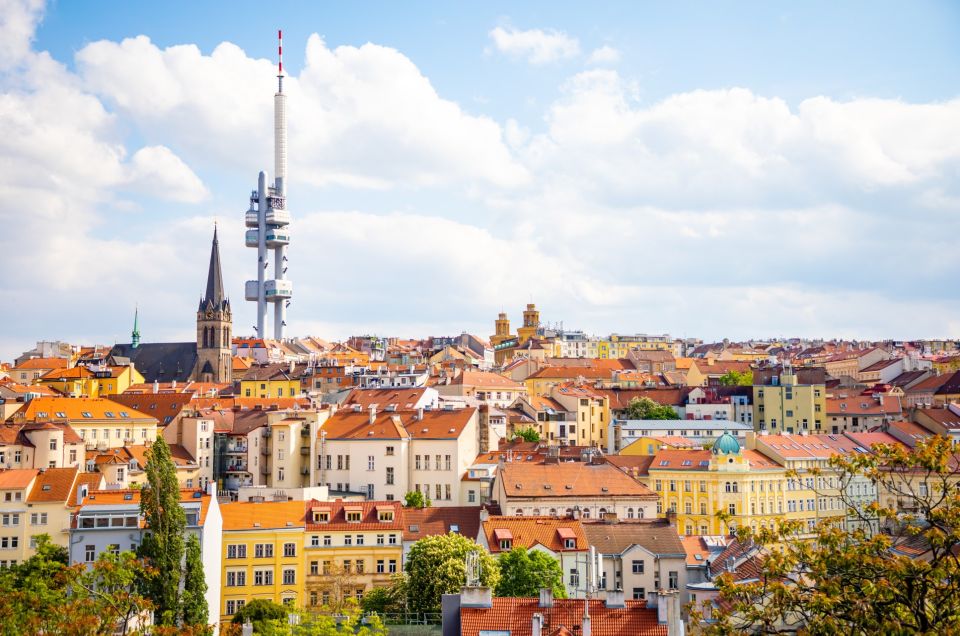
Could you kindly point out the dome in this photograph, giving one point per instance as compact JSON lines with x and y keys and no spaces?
{"x":726,"y":444}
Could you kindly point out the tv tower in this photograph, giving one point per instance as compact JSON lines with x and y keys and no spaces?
{"x":270,"y":220}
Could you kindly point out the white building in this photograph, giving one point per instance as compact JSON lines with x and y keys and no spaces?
{"x":622,"y":433}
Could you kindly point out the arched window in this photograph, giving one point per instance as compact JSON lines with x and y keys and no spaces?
{"x":586,"y":513}
{"x":519,"y":512}
{"x":727,"y":486}
{"x":629,"y":513}
{"x":734,"y":486}
{"x":205,"y":337}
{"x":569,"y":511}
{"x":553,"y":512}
{"x":536,"y":512}
{"x":602,"y":512}
{"x":640,"y":513}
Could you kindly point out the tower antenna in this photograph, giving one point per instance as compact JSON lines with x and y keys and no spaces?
{"x":280,"y":61}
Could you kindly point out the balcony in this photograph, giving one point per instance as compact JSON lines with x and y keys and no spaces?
{"x":251,"y":290}
{"x":305,"y":471}
{"x":304,"y":450}
{"x":265,"y":450}
{"x":235,"y":450}
{"x":276,"y":290}
{"x":236,"y":468}
{"x":305,"y":431}
{"x":278,"y":217}
{"x":264,"y":470}
{"x":276,"y":238}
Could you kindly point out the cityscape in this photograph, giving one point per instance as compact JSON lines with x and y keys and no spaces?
{"x":529,"y":457}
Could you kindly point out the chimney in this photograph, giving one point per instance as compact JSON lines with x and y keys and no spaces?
{"x":373,"y":413}
{"x":173,"y":384}
{"x":156,"y":386}
{"x":420,"y":414}
{"x":546,"y":597}
{"x":586,"y":631}
{"x":536,"y":629}
{"x":476,"y":596}
{"x":484,"y":515}
{"x":615,"y":599}
{"x":674,"y":618}
{"x":662,"y":617}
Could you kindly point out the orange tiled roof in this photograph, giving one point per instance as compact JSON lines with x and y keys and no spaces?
{"x":72,"y":373}
{"x":54,"y":484}
{"x":569,"y":479}
{"x":402,"y":398}
{"x":46,"y":408}
{"x":526,"y":532}
{"x":132,"y":496}
{"x":436,"y":424}
{"x":44,"y":363}
{"x":16,"y":478}
{"x":572,"y":373}
{"x":427,"y":522}
{"x":269,"y":514}
{"x":486,"y":379}
{"x":369,"y":515}
{"x":844,"y":404}
{"x":515,"y":617}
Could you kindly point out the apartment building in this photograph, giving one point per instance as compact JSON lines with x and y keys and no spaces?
{"x":100,"y":423}
{"x":781,"y":404}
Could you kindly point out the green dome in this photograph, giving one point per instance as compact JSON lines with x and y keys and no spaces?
{"x":726,"y":444}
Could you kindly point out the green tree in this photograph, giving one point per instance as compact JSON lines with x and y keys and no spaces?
{"x":382,"y":601}
{"x":528,"y":434}
{"x":525,"y":572}
{"x":646,"y":409}
{"x":44,"y":595}
{"x":194,"y":602}
{"x":268,"y":618}
{"x":416,"y":499}
{"x":437,"y":565}
{"x":163,"y":546}
{"x":737,"y":378}
{"x":349,"y":622}
{"x":851,"y":579}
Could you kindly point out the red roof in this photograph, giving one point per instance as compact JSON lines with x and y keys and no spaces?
{"x":514,"y":616}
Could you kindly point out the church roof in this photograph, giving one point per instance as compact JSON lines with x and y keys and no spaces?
{"x":214,"y":298}
{"x":161,"y":361}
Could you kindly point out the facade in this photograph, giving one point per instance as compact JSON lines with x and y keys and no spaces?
{"x":561,"y":538}
{"x":262,"y":555}
{"x":624,"y":433}
{"x":787,"y":406}
{"x":272,"y":380}
{"x":40,"y":445}
{"x":99,"y":422}
{"x":487,"y":387}
{"x":857,"y":413}
{"x":351,"y":548}
{"x":696,"y":484}
{"x":110,"y":520}
{"x":639,"y":557}
{"x":588,"y":409}
{"x":587,"y":489}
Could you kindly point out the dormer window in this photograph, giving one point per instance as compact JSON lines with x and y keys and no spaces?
{"x":504,"y":538}
{"x":570,"y":544}
{"x":384,"y":514}
{"x":321,"y":515}
{"x":568,"y":537}
{"x":353,"y":515}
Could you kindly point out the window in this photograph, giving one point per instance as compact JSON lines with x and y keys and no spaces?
{"x":348,"y":539}
{"x":38,"y":518}
{"x":234,"y":606}
{"x":392,"y":566}
{"x":639,"y":593}
{"x":732,"y":509}
{"x":327,"y":541}
{"x":389,"y":451}
{"x":237,"y":551}
{"x":11,"y":518}
{"x":380,"y":539}
{"x":417,"y":462}
{"x":446,"y":462}
{"x":389,"y":475}
{"x":570,"y":544}
{"x":672,"y":580}
{"x":237,"y":578}
{"x":263,"y":577}
{"x":90,"y":553}
{"x":638,"y":567}
{"x":447,"y":492}
{"x":289,"y":576}
{"x":438,"y":491}
{"x":359,"y":539}
{"x":289,"y":549}
{"x":380,"y":566}
{"x":370,"y":462}
{"x":279,"y":474}
{"x":574,"y":578}
{"x":263,"y":551}
{"x":9,"y":542}
{"x":53,"y":443}
{"x":360,"y":566}
{"x":392,"y":539}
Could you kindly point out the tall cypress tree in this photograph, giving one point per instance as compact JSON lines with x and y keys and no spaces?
{"x":162,"y":544}
{"x":194,"y":602}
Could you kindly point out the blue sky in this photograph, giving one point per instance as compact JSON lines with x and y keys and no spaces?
{"x":703,"y":169}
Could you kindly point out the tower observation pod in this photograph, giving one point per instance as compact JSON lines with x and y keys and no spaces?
{"x":268,"y":223}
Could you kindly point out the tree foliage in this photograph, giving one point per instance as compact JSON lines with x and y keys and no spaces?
{"x":194,"y":601}
{"x":527,"y":434}
{"x":416,"y":499}
{"x":646,"y":409}
{"x":163,"y":546}
{"x":860,"y":581}
{"x":736,"y":378}
{"x":525,"y":573}
{"x":270,"y":619}
{"x":44,"y":595}
{"x":437,"y":565}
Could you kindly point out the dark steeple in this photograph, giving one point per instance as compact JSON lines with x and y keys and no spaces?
{"x":214,"y":298}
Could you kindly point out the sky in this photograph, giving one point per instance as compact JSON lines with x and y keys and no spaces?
{"x":703,"y":169}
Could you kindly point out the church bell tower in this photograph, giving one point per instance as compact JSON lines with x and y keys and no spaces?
{"x":214,"y":326}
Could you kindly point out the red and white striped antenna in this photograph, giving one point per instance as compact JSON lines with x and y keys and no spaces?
{"x":280,"y":59}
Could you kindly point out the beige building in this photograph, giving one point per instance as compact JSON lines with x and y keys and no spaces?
{"x":385,"y":455}
{"x":487,"y":387}
{"x":586,"y":489}
{"x":40,"y":445}
{"x":99,"y":422}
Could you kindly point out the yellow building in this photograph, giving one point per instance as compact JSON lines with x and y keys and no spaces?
{"x":262,"y":554}
{"x":351,"y":548}
{"x":271,"y":380}
{"x":696,"y":484}
{"x":83,"y":382}
{"x":101,"y":423}
{"x":788,"y":407}
{"x":589,"y":410}
{"x":619,"y":345}
{"x":52,"y":502}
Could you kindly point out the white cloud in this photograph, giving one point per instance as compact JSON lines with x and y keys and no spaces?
{"x":604,"y":55}
{"x":18,"y":21}
{"x":359,"y":116}
{"x":535,"y":45}
{"x":156,"y":171}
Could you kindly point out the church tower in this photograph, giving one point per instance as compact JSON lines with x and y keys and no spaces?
{"x":214,"y":326}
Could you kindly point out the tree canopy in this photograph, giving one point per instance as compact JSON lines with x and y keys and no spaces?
{"x":646,"y":409}
{"x":163,"y":544}
{"x":737,"y":378}
{"x":416,"y":499}
{"x":856,"y":580}
{"x":525,"y":572}
{"x":527,"y":434}
{"x":437,"y":565}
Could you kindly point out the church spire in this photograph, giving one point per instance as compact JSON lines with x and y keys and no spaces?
{"x":135,"y":336}
{"x":214,"y":296}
